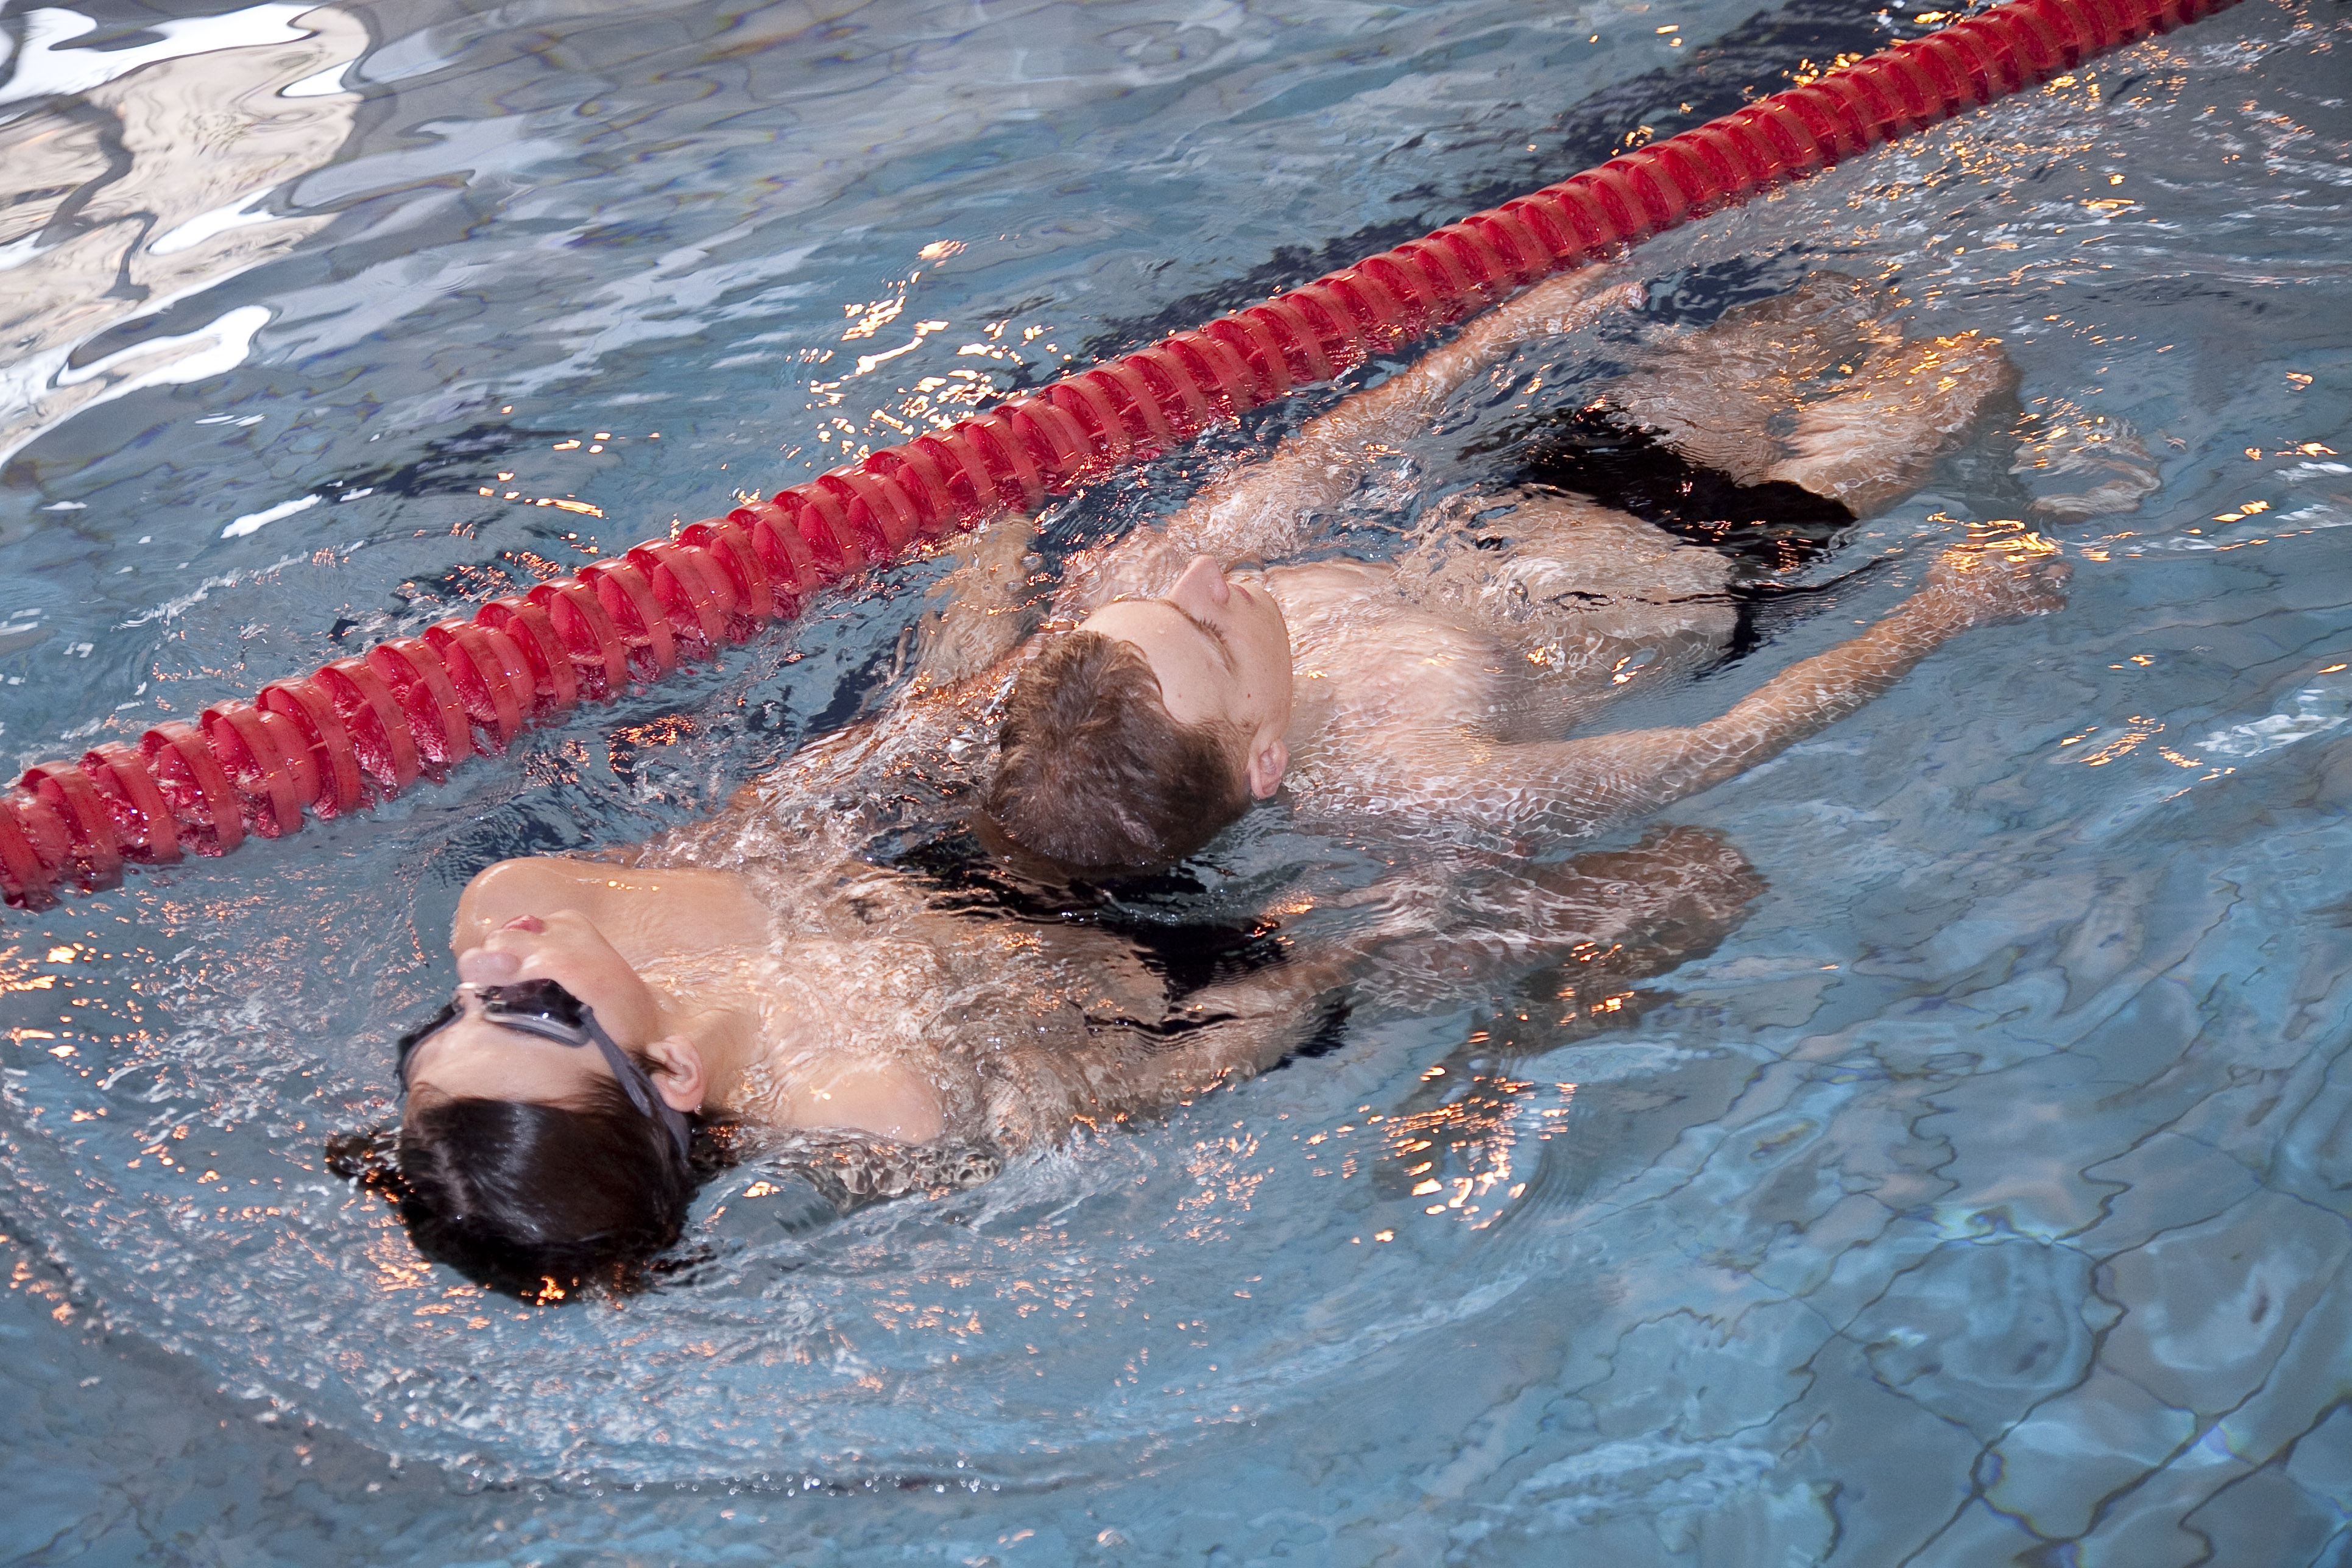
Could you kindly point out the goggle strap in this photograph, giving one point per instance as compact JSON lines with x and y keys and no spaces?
{"x":639,"y":1085}
{"x":636,"y":1082}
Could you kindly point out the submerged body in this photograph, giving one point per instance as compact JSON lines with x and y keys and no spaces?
{"x":837,"y":997}
{"x":844,"y":998}
{"x":1433,"y":696}
{"x":872,"y":1044}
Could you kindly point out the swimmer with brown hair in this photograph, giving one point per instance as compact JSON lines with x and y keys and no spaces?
{"x":758,"y":970}
{"x":1427,"y":697}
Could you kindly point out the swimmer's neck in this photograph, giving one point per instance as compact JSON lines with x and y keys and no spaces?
{"x":726,"y":1037}
{"x":1310,"y":596}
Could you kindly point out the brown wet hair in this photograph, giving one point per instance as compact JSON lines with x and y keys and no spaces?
{"x":1093,"y":773}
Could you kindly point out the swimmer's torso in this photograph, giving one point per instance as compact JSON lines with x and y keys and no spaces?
{"x":853,"y":1004}
{"x":1517,"y":616}
{"x":863,"y":969}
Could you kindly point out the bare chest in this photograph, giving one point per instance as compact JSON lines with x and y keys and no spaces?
{"x":892,"y":1016}
{"x":1364,"y":658}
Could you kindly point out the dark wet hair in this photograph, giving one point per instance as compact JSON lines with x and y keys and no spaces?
{"x":539,"y":1201}
{"x":1095,"y":773}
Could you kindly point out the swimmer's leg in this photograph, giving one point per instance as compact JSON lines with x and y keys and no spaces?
{"x":1716,"y":397}
{"x":1720,"y":398}
{"x":1875,"y":443}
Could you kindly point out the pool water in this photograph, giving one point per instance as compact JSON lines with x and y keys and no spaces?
{"x":1983,"y":1198}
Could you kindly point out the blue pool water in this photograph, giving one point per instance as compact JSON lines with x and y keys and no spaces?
{"x":1983,"y":1198}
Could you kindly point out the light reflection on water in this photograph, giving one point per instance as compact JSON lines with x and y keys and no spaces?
{"x":1994,"y":1169}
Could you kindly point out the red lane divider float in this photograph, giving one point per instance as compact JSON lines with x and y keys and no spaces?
{"x":362,"y":730}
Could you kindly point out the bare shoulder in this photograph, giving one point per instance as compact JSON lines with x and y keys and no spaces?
{"x":1316,"y":580}
{"x":543,"y":876}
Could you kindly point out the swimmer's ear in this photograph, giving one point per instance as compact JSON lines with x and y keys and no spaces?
{"x":1266,"y":766}
{"x":677,"y":1072}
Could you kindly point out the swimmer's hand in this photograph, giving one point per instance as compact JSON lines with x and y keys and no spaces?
{"x":1567,"y":303}
{"x":985,"y":612}
{"x":1984,"y":584}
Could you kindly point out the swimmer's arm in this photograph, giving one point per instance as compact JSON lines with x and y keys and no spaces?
{"x":1613,"y":917}
{"x":986,"y":613}
{"x":1607,"y":919}
{"x":1223,"y":1034}
{"x":1227,"y":1034}
{"x":981,"y":623}
{"x":1584,"y":786}
{"x":1126,"y":1067}
{"x":1261,"y":512}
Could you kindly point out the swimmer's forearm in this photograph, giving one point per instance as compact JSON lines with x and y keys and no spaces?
{"x":1218,"y":1039}
{"x":1277,"y":999}
{"x":1969,"y":586}
{"x":1261,"y":512}
{"x":1808,"y":697}
{"x":1618,"y":776}
{"x":984,"y":617}
{"x":1577,"y":788}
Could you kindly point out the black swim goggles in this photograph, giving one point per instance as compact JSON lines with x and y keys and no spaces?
{"x":546,"y":1009}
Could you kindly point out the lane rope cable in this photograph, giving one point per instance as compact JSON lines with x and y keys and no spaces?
{"x":360,"y":730}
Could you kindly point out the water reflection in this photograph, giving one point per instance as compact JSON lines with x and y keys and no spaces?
{"x":154,"y":184}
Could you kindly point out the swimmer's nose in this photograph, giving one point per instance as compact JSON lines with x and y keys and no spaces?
{"x":1203,"y":583}
{"x":482,"y":967}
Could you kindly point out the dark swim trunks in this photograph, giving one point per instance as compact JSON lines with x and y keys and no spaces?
{"x":1157,"y":913}
{"x":1772,"y":528}
{"x":1152,"y":911}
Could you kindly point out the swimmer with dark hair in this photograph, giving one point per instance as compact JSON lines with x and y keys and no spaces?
{"x":1432,"y":696}
{"x":616,"y":1027}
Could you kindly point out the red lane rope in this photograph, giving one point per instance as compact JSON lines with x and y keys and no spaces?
{"x":357,"y":731}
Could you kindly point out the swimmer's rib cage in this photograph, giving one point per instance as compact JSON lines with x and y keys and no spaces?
{"x":360,"y":730}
